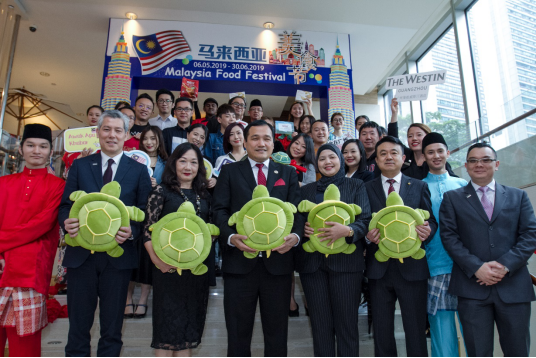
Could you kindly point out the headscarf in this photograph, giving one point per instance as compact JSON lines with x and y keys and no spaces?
{"x":338,"y":178}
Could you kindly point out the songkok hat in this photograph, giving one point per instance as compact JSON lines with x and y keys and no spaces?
{"x":37,"y":130}
{"x":210,"y":100}
{"x":432,"y":138}
{"x":255,"y":103}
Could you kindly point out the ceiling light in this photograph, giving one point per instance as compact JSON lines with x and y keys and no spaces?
{"x":268,"y":25}
{"x":44,"y":74}
{"x":131,"y":16}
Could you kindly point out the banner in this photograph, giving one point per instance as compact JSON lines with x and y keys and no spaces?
{"x":415,"y":86}
{"x":78,"y":139}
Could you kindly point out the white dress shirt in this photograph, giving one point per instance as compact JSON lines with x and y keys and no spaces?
{"x":116,"y":159}
{"x":163,"y":123}
{"x":490,"y":194}
{"x":396,"y":184}
{"x":255,"y":170}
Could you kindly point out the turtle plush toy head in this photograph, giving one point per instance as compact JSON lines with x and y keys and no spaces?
{"x":396,"y":222}
{"x":183,"y":240}
{"x":330,"y":210}
{"x":264,"y":220}
{"x":100,"y":215}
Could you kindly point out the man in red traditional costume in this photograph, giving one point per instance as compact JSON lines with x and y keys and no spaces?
{"x":29,"y":235}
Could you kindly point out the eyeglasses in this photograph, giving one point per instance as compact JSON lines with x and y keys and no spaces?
{"x":165,"y":101}
{"x":483,"y":160}
{"x":180,"y":109}
{"x":142,"y":106}
{"x":239,"y":105}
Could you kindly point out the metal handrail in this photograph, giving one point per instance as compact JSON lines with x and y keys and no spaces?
{"x":499,"y":128}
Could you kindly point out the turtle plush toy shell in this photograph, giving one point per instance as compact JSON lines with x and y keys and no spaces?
{"x":264,"y":220}
{"x":330,"y":210}
{"x":183,"y":240}
{"x":100,"y":215}
{"x":398,"y":238}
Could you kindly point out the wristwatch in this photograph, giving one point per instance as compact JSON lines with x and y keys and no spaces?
{"x":351,"y":234}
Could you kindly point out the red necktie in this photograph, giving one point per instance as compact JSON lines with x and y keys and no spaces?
{"x":391,"y":187}
{"x":261,"y":179}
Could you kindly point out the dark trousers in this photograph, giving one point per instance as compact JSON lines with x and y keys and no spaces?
{"x":241,"y":293}
{"x":96,"y":280}
{"x":478,"y":317}
{"x":412,"y":296}
{"x":333,"y":302}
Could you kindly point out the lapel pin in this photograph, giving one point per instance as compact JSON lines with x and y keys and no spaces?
{"x":409,"y":183}
{"x":276,"y":172}
{"x":94,"y":163}
{"x":468,"y":196}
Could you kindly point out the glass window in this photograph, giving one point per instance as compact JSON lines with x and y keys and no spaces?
{"x":502,"y":35}
{"x":443,"y":111}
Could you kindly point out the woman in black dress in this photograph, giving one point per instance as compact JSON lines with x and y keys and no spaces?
{"x":355,"y":160}
{"x":179,"y":301}
{"x":332,"y":284}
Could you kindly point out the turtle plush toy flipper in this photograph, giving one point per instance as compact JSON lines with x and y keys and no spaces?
{"x":233,"y":219}
{"x":305,"y":206}
{"x":135,"y":213}
{"x":251,"y":255}
{"x":116,"y":251}
{"x":292,"y":208}
{"x":424,"y":213}
{"x":200,"y":270}
{"x":350,"y":249}
{"x":419,"y":254}
{"x":70,"y":241}
{"x":357,"y":209}
{"x":213,"y":229}
{"x":308,"y":247}
{"x":380,"y":256}
{"x":75,"y":195}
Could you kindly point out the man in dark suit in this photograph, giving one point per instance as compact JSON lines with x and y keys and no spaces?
{"x":266,"y":280}
{"x":392,"y":280}
{"x":98,"y":276}
{"x":489,"y":230}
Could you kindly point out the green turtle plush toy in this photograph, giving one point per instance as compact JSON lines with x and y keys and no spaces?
{"x":183,"y":240}
{"x":100,"y":215}
{"x":334,"y":210}
{"x":281,"y":158}
{"x":398,"y":238}
{"x":264,"y":220}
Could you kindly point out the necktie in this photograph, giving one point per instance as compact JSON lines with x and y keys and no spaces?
{"x":488,"y":206}
{"x":107,"y":177}
{"x":391,"y":187}
{"x":261,"y":179}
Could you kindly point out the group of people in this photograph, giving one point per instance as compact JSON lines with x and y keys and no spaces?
{"x":478,"y":237}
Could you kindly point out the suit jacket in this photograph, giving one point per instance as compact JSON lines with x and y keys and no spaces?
{"x":416,"y":195}
{"x":233,"y":190}
{"x":353,"y":192}
{"x":86,"y":174}
{"x":471,"y":239}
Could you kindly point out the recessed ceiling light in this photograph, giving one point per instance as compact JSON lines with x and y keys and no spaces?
{"x":268,"y":25}
{"x":131,"y":16}
{"x":44,"y":74}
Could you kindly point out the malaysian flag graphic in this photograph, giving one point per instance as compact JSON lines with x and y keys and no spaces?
{"x":157,"y":50}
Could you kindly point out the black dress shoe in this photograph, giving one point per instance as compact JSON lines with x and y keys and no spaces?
{"x":218,"y":271}
{"x":140,"y":315}
{"x":294,"y":313}
{"x":129,"y":315}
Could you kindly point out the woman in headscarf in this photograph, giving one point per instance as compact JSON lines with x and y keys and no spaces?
{"x":332,"y":284}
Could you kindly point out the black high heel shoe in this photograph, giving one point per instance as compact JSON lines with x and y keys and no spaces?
{"x":138,"y":315}
{"x":296,"y":312}
{"x":129,"y":315}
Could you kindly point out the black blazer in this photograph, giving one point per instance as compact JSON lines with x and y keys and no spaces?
{"x":416,"y":195}
{"x":233,"y":190}
{"x":86,"y":174}
{"x":471,"y":239}
{"x":353,"y":192}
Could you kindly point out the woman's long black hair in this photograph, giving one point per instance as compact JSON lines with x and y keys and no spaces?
{"x":363,"y":162}
{"x":309,"y":157}
{"x":169,"y":177}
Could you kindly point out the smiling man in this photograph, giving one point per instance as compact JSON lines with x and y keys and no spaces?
{"x":392,"y":280}
{"x":262,"y":280}
{"x":164,"y":102}
{"x":143,"y":107}
{"x":96,"y":276}
{"x":174,"y":136}
{"x":442,"y":305}
{"x":29,"y":235}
